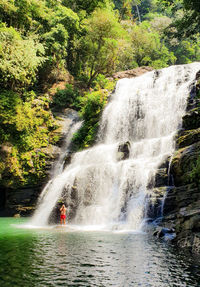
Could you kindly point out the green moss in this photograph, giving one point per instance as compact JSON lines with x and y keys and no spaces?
{"x":189,"y":137}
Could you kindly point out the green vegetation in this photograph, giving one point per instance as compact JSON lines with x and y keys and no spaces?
{"x":81,"y":43}
{"x":194,"y":176}
{"x":26,"y":132}
{"x":68,"y":97}
{"x":187,"y":22}
{"x":92,"y":104}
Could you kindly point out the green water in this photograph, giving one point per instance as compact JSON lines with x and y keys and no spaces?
{"x":54,"y":257}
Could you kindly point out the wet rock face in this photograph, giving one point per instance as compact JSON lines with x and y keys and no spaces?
{"x":163,"y":232}
{"x":155,"y":202}
{"x":192,"y":120}
{"x":182,"y":205}
{"x":161,"y":178}
{"x":183,"y":163}
{"x":187,"y":138}
{"x":21,"y":201}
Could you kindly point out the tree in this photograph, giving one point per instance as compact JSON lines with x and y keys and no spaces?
{"x":186,"y":51}
{"x":103,"y":43}
{"x":19,"y":59}
{"x":85,"y":5}
{"x":148,"y":48}
{"x":188,"y":24}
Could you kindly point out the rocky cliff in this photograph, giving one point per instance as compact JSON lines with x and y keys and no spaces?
{"x":181,"y":208}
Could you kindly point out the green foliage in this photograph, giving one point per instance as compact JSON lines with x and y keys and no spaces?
{"x":56,"y":41}
{"x":194,"y":176}
{"x":186,"y":51}
{"x":101,"y":82}
{"x":187,"y":23}
{"x":26,"y":134}
{"x":92,"y":105}
{"x":103,"y":43}
{"x":147,"y":47}
{"x":8,"y":102}
{"x":19,"y":59}
{"x":85,"y":5}
{"x":66,"y":98}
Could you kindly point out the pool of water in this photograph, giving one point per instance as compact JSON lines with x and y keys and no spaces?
{"x":59,"y":257}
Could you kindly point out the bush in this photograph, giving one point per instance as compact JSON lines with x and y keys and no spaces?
{"x":26,"y":134}
{"x":92,"y":106}
{"x":101,"y":82}
{"x":66,"y":98}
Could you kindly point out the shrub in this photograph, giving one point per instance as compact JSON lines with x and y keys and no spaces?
{"x":26,"y":134}
{"x":92,"y":106}
{"x":66,"y":98}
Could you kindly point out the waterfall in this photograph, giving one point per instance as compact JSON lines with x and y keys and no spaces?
{"x":71,"y":124}
{"x":108,"y":184}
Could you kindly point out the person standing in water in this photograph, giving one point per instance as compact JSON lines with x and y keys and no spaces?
{"x":63,"y":214}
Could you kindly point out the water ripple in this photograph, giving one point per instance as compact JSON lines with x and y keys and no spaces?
{"x":53,"y":258}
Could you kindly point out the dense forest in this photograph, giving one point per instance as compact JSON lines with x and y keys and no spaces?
{"x":81,"y":44}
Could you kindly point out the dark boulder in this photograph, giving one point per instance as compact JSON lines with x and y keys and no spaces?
{"x":192,"y":119}
{"x":161,"y":178}
{"x":123,"y":151}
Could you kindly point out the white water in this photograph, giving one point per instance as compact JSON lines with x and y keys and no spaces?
{"x":111,"y":193}
{"x":71,"y":125}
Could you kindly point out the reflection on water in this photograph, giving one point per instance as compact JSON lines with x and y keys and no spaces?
{"x":59,"y":258}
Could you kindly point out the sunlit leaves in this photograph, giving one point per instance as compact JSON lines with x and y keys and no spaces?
{"x":19,"y":59}
{"x":148,"y":48}
{"x":102,"y":42}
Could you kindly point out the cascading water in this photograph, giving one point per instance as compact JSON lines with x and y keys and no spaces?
{"x":106,"y":186}
{"x":71,"y":125}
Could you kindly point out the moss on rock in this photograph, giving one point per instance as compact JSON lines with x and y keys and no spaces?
{"x":188,"y":137}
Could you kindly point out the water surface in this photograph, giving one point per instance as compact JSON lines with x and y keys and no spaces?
{"x":56,"y":257}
